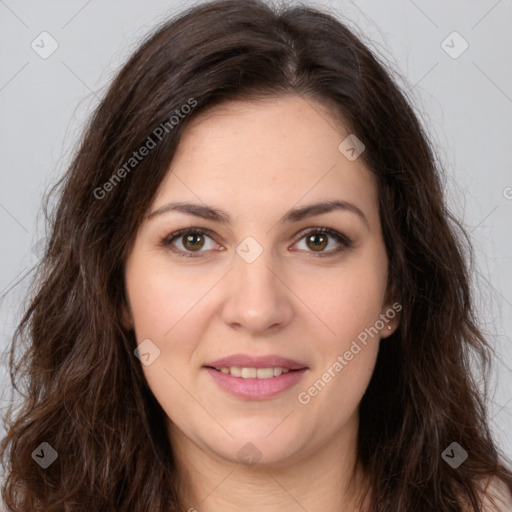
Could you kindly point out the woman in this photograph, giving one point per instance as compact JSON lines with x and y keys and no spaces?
{"x":254,"y":297}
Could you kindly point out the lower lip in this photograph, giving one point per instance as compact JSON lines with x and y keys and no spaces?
{"x":256,"y":389}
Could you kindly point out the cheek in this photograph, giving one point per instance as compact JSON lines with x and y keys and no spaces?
{"x":346,"y":358}
{"x":349,"y":303}
{"x":346,"y":301}
{"x":170,"y":311}
{"x":159,"y":300}
{"x":163,"y":311}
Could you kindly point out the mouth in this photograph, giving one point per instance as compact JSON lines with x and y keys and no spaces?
{"x":251,"y":383}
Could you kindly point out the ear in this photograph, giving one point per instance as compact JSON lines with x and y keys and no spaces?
{"x":390,"y":313}
{"x":390,"y":324}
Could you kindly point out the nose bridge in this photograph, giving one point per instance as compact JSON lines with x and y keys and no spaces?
{"x":256,"y":278}
{"x":252,"y":262}
{"x":256,"y":299}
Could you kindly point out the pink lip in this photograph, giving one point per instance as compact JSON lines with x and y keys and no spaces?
{"x":256,"y":389}
{"x":243,"y":360}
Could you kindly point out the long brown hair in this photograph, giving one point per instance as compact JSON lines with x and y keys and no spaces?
{"x":84,"y":392}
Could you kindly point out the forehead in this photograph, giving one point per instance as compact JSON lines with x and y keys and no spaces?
{"x":266,"y":155}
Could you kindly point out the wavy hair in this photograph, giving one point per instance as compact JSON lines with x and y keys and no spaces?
{"x":71,"y":359}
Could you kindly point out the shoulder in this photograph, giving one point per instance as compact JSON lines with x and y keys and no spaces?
{"x":496,"y":496}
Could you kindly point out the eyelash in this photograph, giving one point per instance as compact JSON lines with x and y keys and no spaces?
{"x":343,"y":240}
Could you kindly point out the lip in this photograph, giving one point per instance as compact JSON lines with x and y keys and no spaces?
{"x":248,"y":361}
{"x":256,"y":389}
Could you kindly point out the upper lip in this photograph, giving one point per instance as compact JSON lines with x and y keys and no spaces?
{"x":248,"y":361}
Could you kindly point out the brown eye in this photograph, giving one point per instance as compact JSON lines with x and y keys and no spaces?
{"x":323,"y":242}
{"x":190,"y":242}
{"x":317,"y":241}
{"x":193,"y":241}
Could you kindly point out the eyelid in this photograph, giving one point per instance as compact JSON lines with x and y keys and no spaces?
{"x":180,"y":232}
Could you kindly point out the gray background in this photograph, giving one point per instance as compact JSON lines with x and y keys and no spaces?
{"x":465,"y":102}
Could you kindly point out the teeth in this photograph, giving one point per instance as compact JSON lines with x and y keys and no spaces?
{"x":249,"y":373}
{"x":253,"y":373}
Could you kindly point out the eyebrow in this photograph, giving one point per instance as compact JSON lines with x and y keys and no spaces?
{"x":293,"y":215}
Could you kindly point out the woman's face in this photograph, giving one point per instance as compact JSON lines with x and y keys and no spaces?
{"x":259,"y":330}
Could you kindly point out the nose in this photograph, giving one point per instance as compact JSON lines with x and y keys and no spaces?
{"x":257,"y":300}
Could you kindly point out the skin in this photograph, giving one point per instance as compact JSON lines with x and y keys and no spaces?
{"x":256,"y":160}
